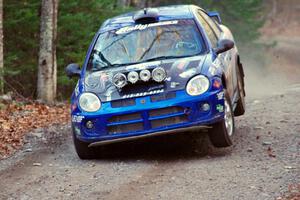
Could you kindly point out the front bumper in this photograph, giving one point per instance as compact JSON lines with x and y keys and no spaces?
{"x":148,"y":116}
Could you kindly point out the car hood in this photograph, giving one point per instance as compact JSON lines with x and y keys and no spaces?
{"x":179,"y":71}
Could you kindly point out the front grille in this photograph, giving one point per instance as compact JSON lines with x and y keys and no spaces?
{"x":128,"y":117}
{"x":163,"y":97}
{"x":169,"y":121}
{"x":125,"y":128}
{"x":152,"y":119}
{"x":165,"y":111}
{"x":123,"y":103}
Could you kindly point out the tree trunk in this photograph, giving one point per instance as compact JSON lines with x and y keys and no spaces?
{"x":1,"y":49}
{"x":47,"y":69}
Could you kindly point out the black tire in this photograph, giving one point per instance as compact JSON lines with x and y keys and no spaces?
{"x":83,"y":151}
{"x":240,"y":106}
{"x":219,"y":135}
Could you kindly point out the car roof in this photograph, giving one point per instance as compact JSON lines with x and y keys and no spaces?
{"x":164,"y":13}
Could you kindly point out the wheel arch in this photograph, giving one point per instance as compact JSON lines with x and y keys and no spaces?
{"x":240,"y":66}
{"x":224,"y":81}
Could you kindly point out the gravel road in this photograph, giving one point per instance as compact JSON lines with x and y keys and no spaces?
{"x":262,"y":164}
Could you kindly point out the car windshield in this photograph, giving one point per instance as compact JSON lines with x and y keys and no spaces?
{"x":142,"y":43}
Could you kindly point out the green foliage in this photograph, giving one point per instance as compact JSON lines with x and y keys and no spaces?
{"x":78,"y":21}
{"x":21,"y":41}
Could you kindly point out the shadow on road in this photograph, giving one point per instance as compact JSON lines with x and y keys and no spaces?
{"x":165,"y":148}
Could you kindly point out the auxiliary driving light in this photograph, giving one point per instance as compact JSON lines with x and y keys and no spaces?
{"x":119,"y":80}
{"x":205,"y":107}
{"x":89,"y":125}
{"x":133,"y":77}
{"x":159,"y":74}
{"x":145,"y":75}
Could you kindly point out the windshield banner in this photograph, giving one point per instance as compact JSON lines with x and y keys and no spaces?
{"x":140,"y":27}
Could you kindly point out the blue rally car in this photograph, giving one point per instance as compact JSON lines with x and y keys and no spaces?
{"x":157,"y":71}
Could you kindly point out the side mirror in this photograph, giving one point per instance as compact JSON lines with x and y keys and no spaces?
{"x":215,"y":16}
{"x":73,"y":70}
{"x":224,"y":45}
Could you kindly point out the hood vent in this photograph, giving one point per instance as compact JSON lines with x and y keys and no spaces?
{"x":146,"y":16}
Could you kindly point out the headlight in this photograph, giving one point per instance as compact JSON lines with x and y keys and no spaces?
{"x":159,"y":74}
{"x":119,"y":80}
{"x":197,"y":85}
{"x":133,"y":77}
{"x":145,"y":75}
{"x":89,"y":102}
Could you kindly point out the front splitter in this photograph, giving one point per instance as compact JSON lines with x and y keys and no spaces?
{"x":105,"y":142}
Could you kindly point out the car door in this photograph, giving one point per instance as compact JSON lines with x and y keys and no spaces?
{"x":226,"y":60}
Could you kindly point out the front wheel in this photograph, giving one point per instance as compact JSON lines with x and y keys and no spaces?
{"x":222,"y":132}
{"x":83,"y":151}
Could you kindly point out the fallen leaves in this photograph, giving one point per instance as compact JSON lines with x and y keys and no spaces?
{"x":292,"y":194}
{"x":17,"y":119}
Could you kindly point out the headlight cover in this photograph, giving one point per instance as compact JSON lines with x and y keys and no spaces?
{"x":89,"y":102}
{"x":197,"y":85}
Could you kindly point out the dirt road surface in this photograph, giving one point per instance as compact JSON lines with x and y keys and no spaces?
{"x":263,"y":163}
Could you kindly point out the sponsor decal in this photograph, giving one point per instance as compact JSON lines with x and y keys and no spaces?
{"x":181,"y":64}
{"x":77,"y":118}
{"x":220,"y":108}
{"x":169,"y":79}
{"x":189,"y":73}
{"x":174,"y":84}
{"x":212,"y":70}
{"x":220,"y":95}
{"x":143,"y":94}
{"x":109,"y":93}
{"x":157,"y":87}
{"x":141,"y":27}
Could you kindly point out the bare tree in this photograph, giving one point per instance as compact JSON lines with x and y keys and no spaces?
{"x":1,"y":49}
{"x":47,"y":69}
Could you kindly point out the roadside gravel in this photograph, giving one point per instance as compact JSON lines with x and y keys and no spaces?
{"x":262,"y":164}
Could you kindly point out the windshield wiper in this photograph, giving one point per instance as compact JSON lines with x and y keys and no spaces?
{"x":166,"y":57}
{"x":115,"y":65}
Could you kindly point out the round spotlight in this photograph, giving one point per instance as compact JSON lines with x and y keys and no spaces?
{"x":89,"y":125}
{"x":133,"y":77}
{"x":119,"y":80}
{"x":205,"y":107}
{"x":159,"y":74}
{"x":145,"y":75}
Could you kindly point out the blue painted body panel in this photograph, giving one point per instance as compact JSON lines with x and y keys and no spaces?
{"x":190,"y":105}
{"x":144,"y":105}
